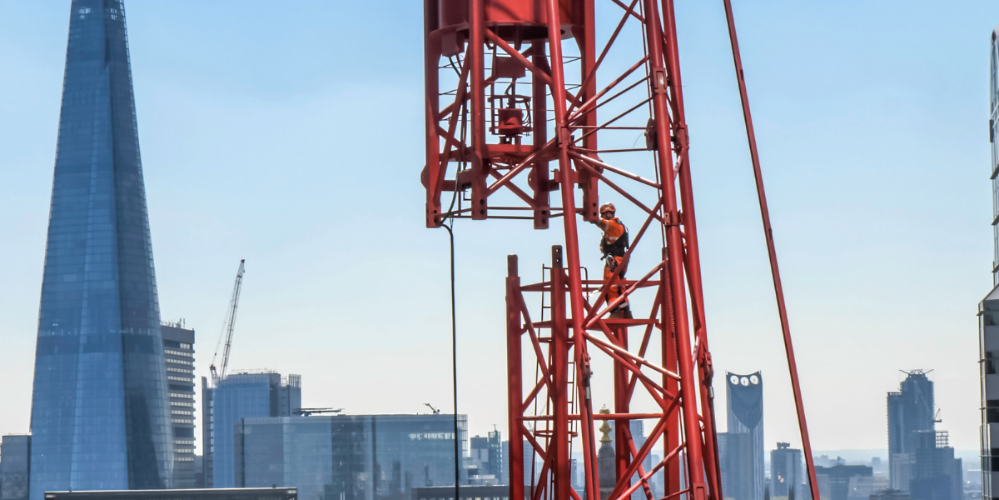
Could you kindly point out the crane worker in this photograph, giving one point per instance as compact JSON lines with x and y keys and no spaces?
{"x":613,"y":246}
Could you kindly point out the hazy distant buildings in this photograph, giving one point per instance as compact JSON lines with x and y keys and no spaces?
{"x":910,"y":411}
{"x":921,"y":461}
{"x":351,"y":457}
{"x":786,"y":473}
{"x":100,"y":416}
{"x":465,"y":492}
{"x":606,"y":462}
{"x":890,"y":494}
{"x":486,"y":459}
{"x":741,"y":448}
{"x":269,"y":493}
{"x":15,"y":460}
{"x":178,"y":352}
{"x":935,"y":473}
{"x":845,"y":482}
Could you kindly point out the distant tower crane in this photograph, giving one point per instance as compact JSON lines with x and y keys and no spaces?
{"x":227,"y":329}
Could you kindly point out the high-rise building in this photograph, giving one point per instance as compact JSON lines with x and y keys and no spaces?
{"x":785,"y":471}
{"x":606,"y":460}
{"x":845,"y":482}
{"x":100,"y":417}
{"x":486,"y":457}
{"x":349,"y":457}
{"x":15,"y":461}
{"x":910,"y":411}
{"x":178,"y":352}
{"x":935,"y":473}
{"x":207,"y":442}
{"x":245,"y":395}
{"x":988,"y":309}
{"x":740,"y":449}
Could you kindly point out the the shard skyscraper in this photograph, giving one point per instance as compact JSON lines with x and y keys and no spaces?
{"x":100,"y":416}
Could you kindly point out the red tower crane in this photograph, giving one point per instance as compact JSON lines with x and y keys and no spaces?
{"x":511,"y":92}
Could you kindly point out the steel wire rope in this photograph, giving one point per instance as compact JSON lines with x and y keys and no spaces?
{"x":454,"y":319}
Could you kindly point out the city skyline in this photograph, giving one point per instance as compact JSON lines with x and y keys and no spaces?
{"x":313,"y":327}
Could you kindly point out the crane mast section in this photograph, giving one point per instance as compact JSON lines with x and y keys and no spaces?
{"x":514,"y":114}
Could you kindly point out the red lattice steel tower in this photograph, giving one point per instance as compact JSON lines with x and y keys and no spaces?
{"x":514,"y":89}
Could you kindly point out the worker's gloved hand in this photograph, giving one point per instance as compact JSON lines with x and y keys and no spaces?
{"x":611,"y":263}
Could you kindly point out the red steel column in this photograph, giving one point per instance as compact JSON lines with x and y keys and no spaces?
{"x":479,"y":162}
{"x":515,"y":387}
{"x":559,"y":444}
{"x":539,"y":171}
{"x":569,"y":211}
{"x":622,"y":452}
{"x":691,"y":419}
{"x":693,"y":256}
{"x":588,"y":52}
{"x":432,"y":52}
{"x":671,"y":436}
{"x":772,"y":252}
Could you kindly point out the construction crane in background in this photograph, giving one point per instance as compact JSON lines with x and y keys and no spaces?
{"x":435,"y":410}
{"x":227,"y":329}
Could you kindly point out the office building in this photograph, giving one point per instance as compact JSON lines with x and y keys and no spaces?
{"x":355,"y":457}
{"x":845,"y":482}
{"x":786,"y":473}
{"x":207,"y":443}
{"x":890,"y":494}
{"x":240,"y":396}
{"x":988,"y":308}
{"x":910,"y":412}
{"x":935,"y":474}
{"x":485,"y":461}
{"x":740,"y":449}
{"x":178,"y":352}
{"x":276,"y":493}
{"x":100,"y":416}
{"x":15,"y":460}
{"x":465,"y":493}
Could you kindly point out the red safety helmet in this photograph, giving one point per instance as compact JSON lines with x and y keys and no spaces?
{"x":607,"y":207}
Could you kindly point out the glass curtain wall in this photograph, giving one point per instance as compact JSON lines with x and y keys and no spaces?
{"x":100,"y":411}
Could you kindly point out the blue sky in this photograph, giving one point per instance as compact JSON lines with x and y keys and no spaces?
{"x":291,"y":136}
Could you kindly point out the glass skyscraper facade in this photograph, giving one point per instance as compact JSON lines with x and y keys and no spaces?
{"x":988,"y":308}
{"x":240,"y":396}
{"x":356,"y":457}
{"x":741,"y":448}
{"x":100,"y":416}
{"x":910,"y":412}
